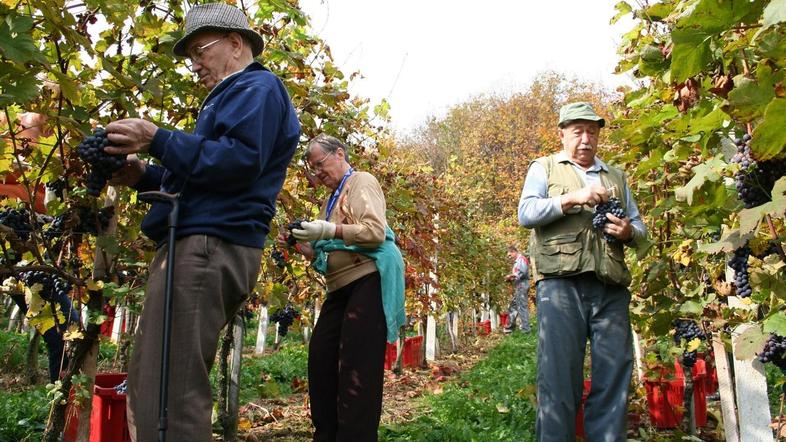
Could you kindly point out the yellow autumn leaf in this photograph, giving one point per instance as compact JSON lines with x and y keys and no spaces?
{"x":42,"y":322}
{"x":244,"y":424}
{"x":95,"y":285}
{"x":73,"y":333}
{"x":694,"y":344}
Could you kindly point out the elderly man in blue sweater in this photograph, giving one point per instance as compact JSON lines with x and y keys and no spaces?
{"x":228,"y":173}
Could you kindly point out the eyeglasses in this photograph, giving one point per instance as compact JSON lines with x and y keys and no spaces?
{"x":317,"y":166}
{"x":198,"y":52}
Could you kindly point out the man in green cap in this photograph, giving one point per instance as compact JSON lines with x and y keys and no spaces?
{"x":581,"y":281}
{"x":228,"y":173}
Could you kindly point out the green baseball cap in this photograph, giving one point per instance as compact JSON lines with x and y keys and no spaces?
{"x":578,"y":111}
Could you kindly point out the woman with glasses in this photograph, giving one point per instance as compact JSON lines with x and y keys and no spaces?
{"x":351,"y":244}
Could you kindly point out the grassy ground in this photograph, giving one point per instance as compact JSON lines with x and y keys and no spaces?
{"x":492,"y":401}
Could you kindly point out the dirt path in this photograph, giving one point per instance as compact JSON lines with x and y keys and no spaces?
{"x":288,"y":419}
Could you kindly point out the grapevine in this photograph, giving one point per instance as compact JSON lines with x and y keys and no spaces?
{"x":754,"y":179}
{"x":739,"y":263}
{"x":774,"y":351}
{"x":685,"y":331}
{"x":18,"y":220}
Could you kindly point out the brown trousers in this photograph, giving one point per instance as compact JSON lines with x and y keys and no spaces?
{"x":212,"y":278}
{"x":346,"y":359}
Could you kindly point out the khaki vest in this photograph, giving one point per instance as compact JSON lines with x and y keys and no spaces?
{"x":570,"y":245}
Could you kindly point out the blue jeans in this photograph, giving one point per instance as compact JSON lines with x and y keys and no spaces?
{"x":572,"y":310}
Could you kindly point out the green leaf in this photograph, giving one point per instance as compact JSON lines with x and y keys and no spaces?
{"x":750,"y":342}
{"x":691,"y":53}
{"x":623,"y":9}
{"x":691,"y":308}
{"x":769,"y":137}
{"x":731,"y":241}
{"x":15,"y":43}
{"x":749,"y":98}
{"x":776,"y":324}
{"x":708,"y":171}
{"x":716,"y":16}
{"x":775,"y":12}
{"x":68,"y":87}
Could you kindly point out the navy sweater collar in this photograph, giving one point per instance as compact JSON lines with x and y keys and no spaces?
{"x":253,"y":66}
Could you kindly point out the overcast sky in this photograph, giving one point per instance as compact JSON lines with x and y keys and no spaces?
{"x":425,"y":55}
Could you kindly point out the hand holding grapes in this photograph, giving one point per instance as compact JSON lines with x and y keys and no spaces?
{"x":619,"y":228}
{"x":130,"y":173}
{"x":590,"y":195}
{"x":129,"y":136}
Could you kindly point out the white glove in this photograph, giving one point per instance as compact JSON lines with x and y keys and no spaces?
{"x":314,"y":230}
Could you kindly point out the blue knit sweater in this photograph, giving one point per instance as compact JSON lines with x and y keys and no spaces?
{"x":237,"y":158}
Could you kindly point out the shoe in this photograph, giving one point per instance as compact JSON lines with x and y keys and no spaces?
{"x":507,"y":331}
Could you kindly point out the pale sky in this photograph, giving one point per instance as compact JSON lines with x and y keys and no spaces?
{"x":426,"y":55}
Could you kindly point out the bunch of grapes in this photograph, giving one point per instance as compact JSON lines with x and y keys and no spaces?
{"x":17,"y":219}
{"x":279,"y":258}
{"x":687,"y":330}
{"x":285,"y":317}
{"x":774,"y":351}
{"x":611,"y":206}
{"x":296,"y":224}
{"x":739,"y":263}
{"x":102,"y":164}
{"x":755,"y":179}
{"x":89,"y":221}
{"x":52,"y":287}
{"x":57,"y":186}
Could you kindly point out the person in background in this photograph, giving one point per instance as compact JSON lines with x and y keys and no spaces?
{"x":352,"y":245}
{"x":228,"y":173}
{"x":519,"y":304}
{"x":581,"y":281}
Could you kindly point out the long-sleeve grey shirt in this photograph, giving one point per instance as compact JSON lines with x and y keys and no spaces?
{"x":536,"y":208}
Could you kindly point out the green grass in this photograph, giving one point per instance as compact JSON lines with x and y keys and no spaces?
{"x":23,"y":414}
{"x":493,"y":401}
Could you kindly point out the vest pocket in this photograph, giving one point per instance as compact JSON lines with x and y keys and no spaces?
{"x":560,"y":255}
{"x":612,"y":269}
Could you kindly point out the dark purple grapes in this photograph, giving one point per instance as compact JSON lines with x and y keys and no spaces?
{"x":79,"y":220}
{"x":739,"y":263}
{"x":17,"y":219}
{"x":57,"y":186}
{"x":686,"y":330}
{"x":774,"y":351}
{"x":755,"y":179}
{"x":611,"y":206}
{"x":279,"y":258}
{"x":102,"y":164}
{"x":296,"y":224}
{"x":284,"y":317}
{"x":52,"y":287}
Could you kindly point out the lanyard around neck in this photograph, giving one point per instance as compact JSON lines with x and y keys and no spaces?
{"x":333,"y":198}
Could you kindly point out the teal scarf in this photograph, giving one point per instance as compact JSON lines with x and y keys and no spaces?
{"x":390,"y":265}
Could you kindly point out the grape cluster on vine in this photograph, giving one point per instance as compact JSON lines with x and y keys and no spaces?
{"x":52,"y":287}
{"x":102,"y":164}
{"x":89,"y":221}
{"x":755,"y":179}
{"x":18,"y":220}
{"x":296,"y":224}
{"x":284,"y":317}
{"x":774,"y":351}
{"x":279,"y":258}
{"x":611,"y":206}
{"x":686,"y":330}
{"x":57,"y":186}
{"x":739,"y":263}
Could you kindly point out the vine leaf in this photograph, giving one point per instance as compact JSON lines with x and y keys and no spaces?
{"x":776,"y":324}
{"x":750,"y":218}
{"x":749,"y":343}
{"x":775,"y":12}
{"x":769,"y":138}
{"x":709,"y":171}
{"x":748,"y":98}
{"x":691,"y":53}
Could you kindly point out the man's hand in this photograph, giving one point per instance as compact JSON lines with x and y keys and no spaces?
{"x":315,"y":230}
{"x":130,"y":173}
{"x":129,"y":136}
{"x":619,"y":228}
{"x":590,"y":195}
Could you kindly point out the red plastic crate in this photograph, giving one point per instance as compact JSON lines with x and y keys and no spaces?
{"x":580,"y":412}
{"x":390,"y":355}
{"x":410,"y":354}
{"x":108,"y":420}
{"x":664,"y":397}
{"x":484,"y":327}
{"x":503,"y":319}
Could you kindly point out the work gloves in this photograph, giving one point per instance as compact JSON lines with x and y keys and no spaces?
{"x":315,"y":230}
